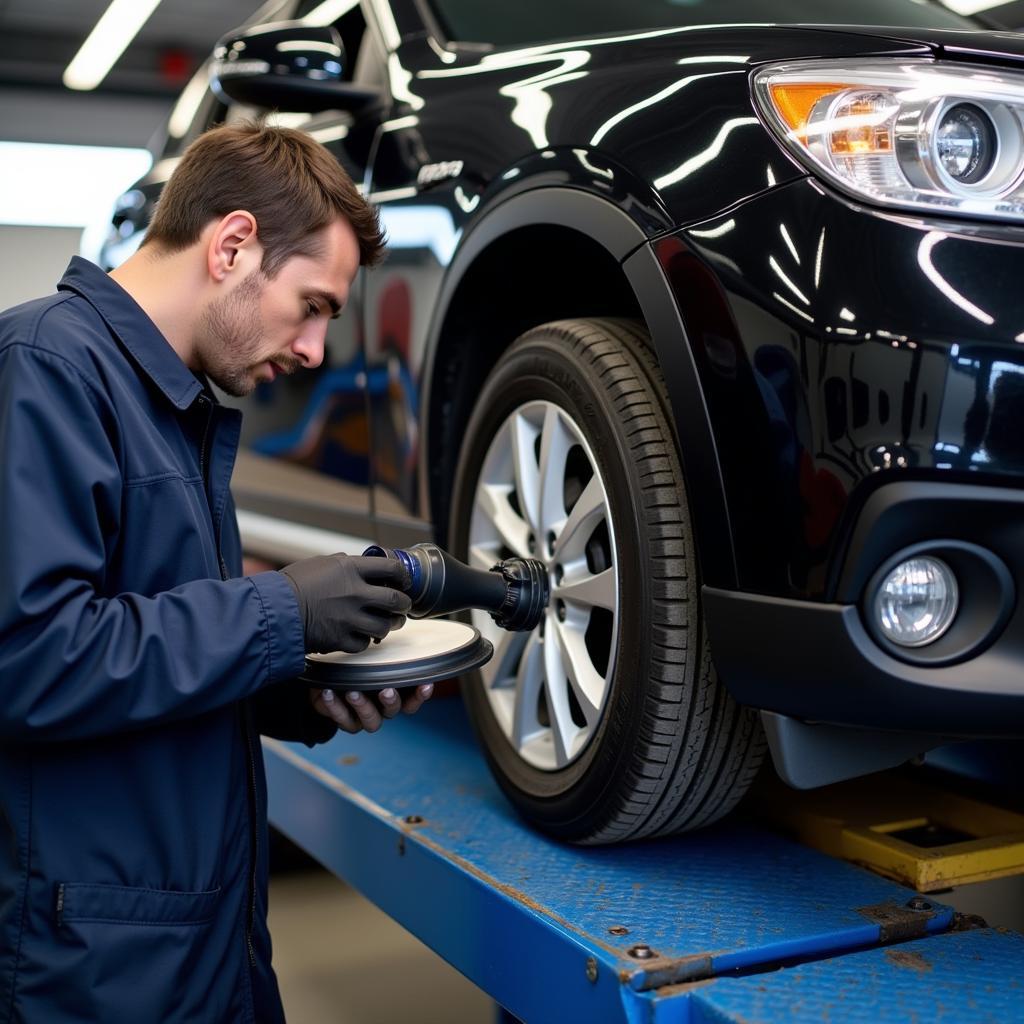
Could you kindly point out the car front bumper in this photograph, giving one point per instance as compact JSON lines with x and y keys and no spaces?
{"x":822,"y":661}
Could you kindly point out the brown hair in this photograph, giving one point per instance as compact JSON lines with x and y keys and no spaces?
{"x":286,"y":180}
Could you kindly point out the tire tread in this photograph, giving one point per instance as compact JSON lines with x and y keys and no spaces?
{"x":698,"y":751}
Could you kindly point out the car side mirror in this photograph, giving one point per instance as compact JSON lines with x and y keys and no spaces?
{"x":288,"y":66}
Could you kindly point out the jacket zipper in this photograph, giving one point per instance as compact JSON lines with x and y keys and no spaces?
{"x":204,"y":403}
{"x":204,"y":458}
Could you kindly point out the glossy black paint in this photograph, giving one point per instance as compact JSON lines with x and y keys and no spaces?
{"x":888,"y":369}
{"x":287,"y":67}
{"x":632,"y":176}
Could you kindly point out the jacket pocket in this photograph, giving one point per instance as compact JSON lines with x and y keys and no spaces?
{"x":81,"y":902}
{"x":134,"y":954}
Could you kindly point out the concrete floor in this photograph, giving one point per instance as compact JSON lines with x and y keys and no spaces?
{"x":341,"y":960}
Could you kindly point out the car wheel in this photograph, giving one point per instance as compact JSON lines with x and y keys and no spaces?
{"x":607,"y":722}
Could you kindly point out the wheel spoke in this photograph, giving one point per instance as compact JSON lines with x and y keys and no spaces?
{"x":529,"y":680}
{"x":587,"y":684}
{"x":523,"y":436}
{"x":508,"y":654}
{"x":590,"y":591}
{"x":555,"y":443}
{"x":589,"y":509}
{"x":483,"y":556}
{"x":492,"y":500}
{"x":563,"y":728}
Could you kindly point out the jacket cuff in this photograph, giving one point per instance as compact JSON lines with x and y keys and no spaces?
{"x":286,"y":647}
{"x":285,"y":712}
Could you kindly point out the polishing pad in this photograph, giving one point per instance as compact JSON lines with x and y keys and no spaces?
{"x":422,"y":651}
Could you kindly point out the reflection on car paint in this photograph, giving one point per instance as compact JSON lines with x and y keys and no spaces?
{"x":331,"y":433}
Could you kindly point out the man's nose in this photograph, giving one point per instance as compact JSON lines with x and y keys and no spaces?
{"x":309,"y":346}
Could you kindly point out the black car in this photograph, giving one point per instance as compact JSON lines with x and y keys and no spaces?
{"x":719,"y":316}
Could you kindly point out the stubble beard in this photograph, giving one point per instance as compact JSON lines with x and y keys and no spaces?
{"x":232,"y":335}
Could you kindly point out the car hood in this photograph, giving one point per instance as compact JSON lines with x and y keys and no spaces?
{"x":762,"y":43}
{"x":1004,"y":47}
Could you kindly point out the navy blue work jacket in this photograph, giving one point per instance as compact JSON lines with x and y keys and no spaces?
{"x":134,"y":677}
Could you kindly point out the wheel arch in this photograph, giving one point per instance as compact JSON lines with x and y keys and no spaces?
{"x":553,"y":253}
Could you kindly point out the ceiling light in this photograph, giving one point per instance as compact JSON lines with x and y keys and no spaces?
{"x":107,"y":41}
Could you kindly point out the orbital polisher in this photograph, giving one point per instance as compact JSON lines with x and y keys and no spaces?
{"x":515,"y":592}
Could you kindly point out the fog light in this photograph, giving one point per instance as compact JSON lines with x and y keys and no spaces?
{"x":916,"y":602}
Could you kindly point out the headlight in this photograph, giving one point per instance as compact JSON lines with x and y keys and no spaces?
{"x":919,"y":134}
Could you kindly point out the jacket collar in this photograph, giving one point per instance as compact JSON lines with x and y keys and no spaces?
{"x":127,"y":319}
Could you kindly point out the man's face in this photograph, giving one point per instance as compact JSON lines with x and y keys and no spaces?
{"x":266,"y":326}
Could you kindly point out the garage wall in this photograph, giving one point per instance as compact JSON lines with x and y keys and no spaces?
{"x":86,"y":119}
{"x":32,"y":260}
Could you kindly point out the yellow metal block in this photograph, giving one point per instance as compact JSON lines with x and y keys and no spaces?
{"x":916,"y":834}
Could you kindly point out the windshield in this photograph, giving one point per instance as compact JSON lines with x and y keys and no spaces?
{"x":531,"y":21}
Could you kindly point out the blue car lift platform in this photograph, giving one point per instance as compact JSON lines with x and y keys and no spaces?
{"x":730,"y":924}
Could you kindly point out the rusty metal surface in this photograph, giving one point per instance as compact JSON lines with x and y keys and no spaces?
{"x":899,"y":921}
{"x":973,"y":977}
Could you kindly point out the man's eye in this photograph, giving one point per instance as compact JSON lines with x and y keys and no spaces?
{"x":312,"y":309}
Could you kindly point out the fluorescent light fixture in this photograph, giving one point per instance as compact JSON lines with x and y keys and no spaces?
{"x":65,"y":186}
{"x":117,"y":27}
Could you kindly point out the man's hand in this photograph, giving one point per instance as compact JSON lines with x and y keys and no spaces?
{"x":345,"y":600}
{"x":367,"y":711}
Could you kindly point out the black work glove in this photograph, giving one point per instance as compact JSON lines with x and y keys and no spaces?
{"x":347,"y":599}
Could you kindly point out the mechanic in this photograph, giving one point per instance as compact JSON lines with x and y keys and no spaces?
{"x":137,"y":663}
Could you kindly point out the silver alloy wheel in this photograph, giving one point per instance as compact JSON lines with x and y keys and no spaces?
{"x":548,"y":688}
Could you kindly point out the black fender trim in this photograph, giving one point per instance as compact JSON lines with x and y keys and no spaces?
{"x":606,"y":224}
{"x":695,"y":440}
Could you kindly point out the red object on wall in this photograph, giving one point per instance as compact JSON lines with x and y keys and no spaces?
{"x":176,"y":66}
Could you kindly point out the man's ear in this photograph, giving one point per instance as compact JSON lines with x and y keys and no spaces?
{"x":233,"y":246}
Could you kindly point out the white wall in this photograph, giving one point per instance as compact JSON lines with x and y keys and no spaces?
{"x":86,"y":119}
{"x":32,"y":261}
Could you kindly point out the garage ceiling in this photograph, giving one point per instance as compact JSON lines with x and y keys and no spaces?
{"x":37,"y":40}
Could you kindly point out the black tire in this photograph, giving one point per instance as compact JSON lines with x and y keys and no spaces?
{"x":671,"y":751}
